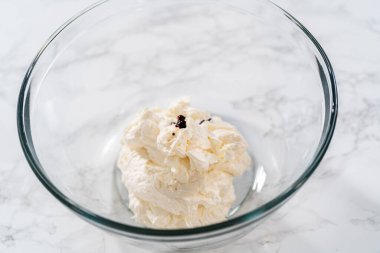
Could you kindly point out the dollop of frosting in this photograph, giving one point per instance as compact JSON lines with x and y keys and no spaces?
{"x":181,"y":177}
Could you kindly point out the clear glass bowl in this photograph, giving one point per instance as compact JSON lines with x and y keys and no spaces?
{"x":248,"y":61}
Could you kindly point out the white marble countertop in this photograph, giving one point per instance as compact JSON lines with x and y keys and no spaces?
{"x":338,"y":210}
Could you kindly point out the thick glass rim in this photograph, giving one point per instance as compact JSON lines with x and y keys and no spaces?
{"x":25,"y":136}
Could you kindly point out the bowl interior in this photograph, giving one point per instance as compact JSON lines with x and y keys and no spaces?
{"x":255,"y":69}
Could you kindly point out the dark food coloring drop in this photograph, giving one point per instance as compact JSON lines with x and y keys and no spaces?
{"x":181,"y":121}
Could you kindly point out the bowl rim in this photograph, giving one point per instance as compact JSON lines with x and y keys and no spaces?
{"x":25,"y":137}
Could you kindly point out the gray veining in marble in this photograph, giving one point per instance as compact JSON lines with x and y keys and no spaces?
{"x":338,"y":210}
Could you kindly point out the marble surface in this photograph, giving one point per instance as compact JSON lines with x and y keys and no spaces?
{"x":338,"y":210}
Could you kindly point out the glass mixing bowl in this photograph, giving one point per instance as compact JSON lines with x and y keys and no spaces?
{"x":248,"y":61}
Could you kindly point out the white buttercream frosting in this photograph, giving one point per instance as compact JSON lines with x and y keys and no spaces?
{"x":181,"y":177}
